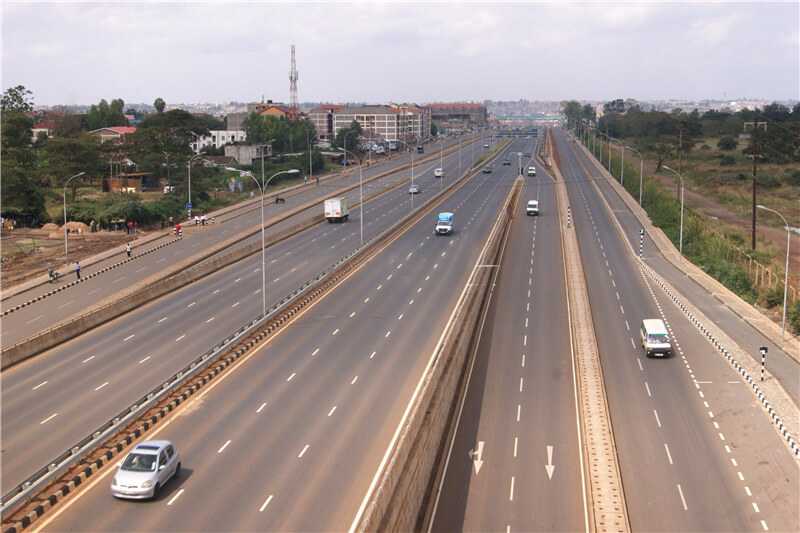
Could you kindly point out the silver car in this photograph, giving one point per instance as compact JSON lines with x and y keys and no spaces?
{"x":146,"y":469}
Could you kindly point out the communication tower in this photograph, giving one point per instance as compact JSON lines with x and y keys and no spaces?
{"x":294,"y":111}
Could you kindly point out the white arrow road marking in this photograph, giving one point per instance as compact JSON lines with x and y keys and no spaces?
{"x":475,"y":455}
{"x":549,"y":465}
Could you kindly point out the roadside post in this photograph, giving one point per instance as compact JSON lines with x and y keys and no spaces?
{"x":641,"y":242}
{"x":763,"y":351}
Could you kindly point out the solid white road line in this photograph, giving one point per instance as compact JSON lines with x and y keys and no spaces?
{"x":48,"y":418}
{"x":224,"y":446}
{"x":263,"y":405}
{"x":332,"y":410}
{"x":101,"y":386}
{"x":175,"y":497}
{"x":179,"y":338}
{"x":354,"y":380}
{"x":304,"y":450}
{"x":145,"y":359}
{"x":682,"y":498}
{"x":128,"y":337}
{"x":265,"y":504}
{"x":162,"y":320}
{"x":39,"y":385}
{"x":292,"y":376}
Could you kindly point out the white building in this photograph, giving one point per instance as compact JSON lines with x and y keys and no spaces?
{"x":218,"y":139}
{"x":391,"y":122}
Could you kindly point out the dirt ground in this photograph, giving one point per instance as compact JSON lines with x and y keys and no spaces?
{"x":28,"y":253}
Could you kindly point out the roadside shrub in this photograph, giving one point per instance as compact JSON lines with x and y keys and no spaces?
{"x":768,"y":181}
{"x":732,"y":276}
{"x":736,"y":238}
{"x":727,"y":161}
{"x":741,"y":176}
{"x":793,"y":178}
{"x":705,"y":147}
{"x":727,"y":143}
{"x":793,"y":316}
{"x":774,"y":297}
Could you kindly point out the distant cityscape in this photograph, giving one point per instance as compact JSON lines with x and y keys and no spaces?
{"x":494,"y":107}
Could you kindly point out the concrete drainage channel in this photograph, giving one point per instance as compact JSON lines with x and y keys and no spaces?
{"x":32,"y":498}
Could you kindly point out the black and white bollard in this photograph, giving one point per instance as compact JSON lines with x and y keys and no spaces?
{"x":641,"y":242}
{"x":568,"y":216}
{"x":763,"y":351}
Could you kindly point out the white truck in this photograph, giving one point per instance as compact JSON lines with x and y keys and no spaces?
{"x":444,"y":225}
{"x":336,"y":210}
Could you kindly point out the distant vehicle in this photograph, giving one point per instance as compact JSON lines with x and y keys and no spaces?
{"x":146,"y":469}
{"x":438,"y":172}
{"x":444,"y":224}
{"x":655,"y":339}
{"x":527,"y":154}
{"x":336,"y":210}
{"x":414,"y":189}
{"x":506,"y":161}
{"x":533,"y":207}
{"x":168,"y":188}
{"x":420,"y":149}
{"x":531,"y":170}
{"x":487,"y":170}
{"x":380,"y":150}
{"x":486,"y":145}
{"x":393,"y":145}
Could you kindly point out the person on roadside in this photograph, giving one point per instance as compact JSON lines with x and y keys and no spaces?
{"x":203,"y":219}
{"x":128,"y":249}
{"x":78,"y":269}
{"x":196,"y":220}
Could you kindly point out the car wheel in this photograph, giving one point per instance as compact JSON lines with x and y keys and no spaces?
{"x":177,"y":470}
{"x":155,"y":491}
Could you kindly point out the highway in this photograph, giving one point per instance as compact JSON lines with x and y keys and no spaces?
{"x":42,"y":314}
{"x":293,"y":435}
{"x":696,"y":451}
{"x":56,"y":398}
{"x":515,"y":462}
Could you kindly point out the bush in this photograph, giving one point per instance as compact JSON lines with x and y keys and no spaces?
{"x":732,"y":276}
{"x":774,"y":297}
{"x":768,"y":182}
{"x":793,"y":316}
{"x":727,"y":143}
{"x":727,"y":161}
{"x":793,"y":178}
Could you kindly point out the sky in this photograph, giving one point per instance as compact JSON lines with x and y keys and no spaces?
{"x":196,"y":52}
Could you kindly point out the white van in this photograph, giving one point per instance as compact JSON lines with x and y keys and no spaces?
{"x":531,"y":170}
{"x":655,"y":339}
{"x":533,"y":207}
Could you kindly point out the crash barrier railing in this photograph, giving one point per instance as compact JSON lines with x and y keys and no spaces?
{"x":42,"y":478}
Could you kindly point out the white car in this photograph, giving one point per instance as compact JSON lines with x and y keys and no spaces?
{"x":531,"y":171}
{"x":438,"y":172}
{"x":145,"y":470}
{"x":533,"y":207}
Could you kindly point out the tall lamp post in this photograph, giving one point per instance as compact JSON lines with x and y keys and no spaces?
{"x":621,"y":161}
{"x":190,"y":182}
{"x":680,"y":246}
{"x":641,"y":173}
{"x":64,"y":196}
{"x":360,"y":190}
{"x":786,"y":273}
{"x":261,"y":188}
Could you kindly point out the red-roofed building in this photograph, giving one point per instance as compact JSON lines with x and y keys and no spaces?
{"x":459,"y":116}
{"x":116,"y":133}
{"x":45,"y":127}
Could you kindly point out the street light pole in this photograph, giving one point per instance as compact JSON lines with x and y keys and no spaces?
{"x":64,"y":196}
{"x":190,"y":182}
{"x":680,"y":251}
{"x":262,"y":188}
{"x":641,"y":173}
{"x":360,"y":190}
{"x":786,"y":272}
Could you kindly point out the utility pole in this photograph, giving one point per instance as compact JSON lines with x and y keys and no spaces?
{"x":680,"y":148}
{"x":755,"y":144}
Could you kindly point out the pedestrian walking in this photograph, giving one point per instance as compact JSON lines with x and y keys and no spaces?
{"x":317,"y":180}
{"x":78,"y":270}
{"x":177,"y":229}
{"x":203,"y":219}
{"x":196,"y":220}
{"x":128,"y":249}
{"x":305,"y":180}
{"x":170,"y":221}
{"x":135,"y":228}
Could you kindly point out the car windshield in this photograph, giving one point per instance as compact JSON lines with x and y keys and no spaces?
{"x":659,"y":339}
{"x":140,"y":462}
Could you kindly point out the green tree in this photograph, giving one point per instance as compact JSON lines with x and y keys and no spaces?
{"x":589,"y":114}
{"x":572,"y":110}
{"x":18,"y":187}
{"x":159,"y":104}
{"x":344,"y":134}
{"x":614,"y":106}
{"x":727,"y":143}
{"x":16,"y":99}
{"x":68,"y":156}
{"x":163,"y":140}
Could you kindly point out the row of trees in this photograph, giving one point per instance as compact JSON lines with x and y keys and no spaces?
{"x":663,"y":133}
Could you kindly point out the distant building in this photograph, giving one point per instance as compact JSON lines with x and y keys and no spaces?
{"x":116,"y":133}
{"x":218,"y":139}
{"x":245,"y":154}
{"x":47,"y":127}
{"x":393,"y":122}
{"x":459,"y":116}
